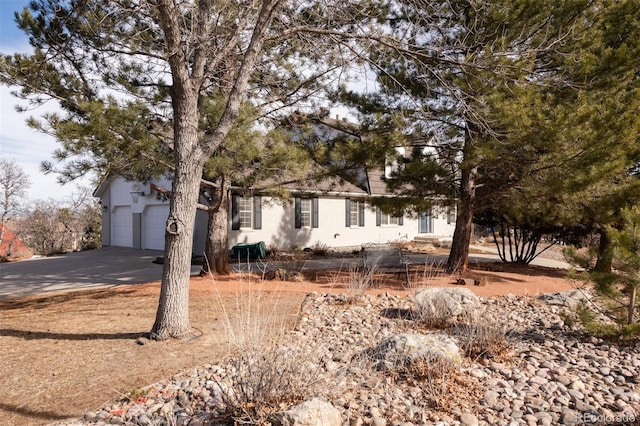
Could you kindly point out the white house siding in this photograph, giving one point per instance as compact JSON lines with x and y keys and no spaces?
{"x":126,"y":219}
{"x":277,"y":227}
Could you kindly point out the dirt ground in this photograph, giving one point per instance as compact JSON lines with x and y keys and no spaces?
{"x":65,"y":354}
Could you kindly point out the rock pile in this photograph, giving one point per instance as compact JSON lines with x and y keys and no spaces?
{"x":553,"y":375}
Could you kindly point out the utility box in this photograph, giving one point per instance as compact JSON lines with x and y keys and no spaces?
{"x":249,"y":251}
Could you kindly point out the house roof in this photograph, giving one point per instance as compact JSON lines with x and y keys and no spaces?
{"x":102,"y":187}
{"x":12,"y":247}
{"x":335,"y":184}
{"x":357,"y":182}
{"x":377,"y":185}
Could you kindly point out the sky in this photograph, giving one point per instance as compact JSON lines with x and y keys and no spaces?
{"x":18,"y":142}
{"x":27,"y":147}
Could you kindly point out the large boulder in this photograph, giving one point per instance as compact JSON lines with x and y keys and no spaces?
{"x":314,"y":412}
{"x":439,"y":302}
{"x":402,"y":349}
{"x":570,"y":298}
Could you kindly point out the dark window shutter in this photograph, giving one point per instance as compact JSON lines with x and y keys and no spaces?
{"x":314,"y":212}
{"x":297,"y":213}
{"x":378,"y":217}
{"x":347,"y":216}
{"x":361,"y":213}
{"x":235,"y":217}
{"x":400,"y":220}
{"x":257,"y":212}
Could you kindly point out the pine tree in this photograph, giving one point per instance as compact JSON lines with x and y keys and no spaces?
{"x":618,"y":292}
{"x":488,"y":92}
{"x":166,"y":57}
{"x":587,"y":135}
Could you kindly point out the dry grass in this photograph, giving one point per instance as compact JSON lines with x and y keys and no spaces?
{"x":63,"y":355}
{"x":266,"y":375}
{"x":66,"y":354}
{"x":489,"y":340}
{"x":425,"y":275}
{"x":435,"y":375}
{"x":361,"y":277}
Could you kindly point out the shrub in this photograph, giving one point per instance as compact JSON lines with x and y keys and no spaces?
{"x":618,"y":291}
{"x":488,"y":341}
{"x":435,"y":375}
{"x":320,"y":249}
{"x":265,"y":380}
{"x":264,"y":376}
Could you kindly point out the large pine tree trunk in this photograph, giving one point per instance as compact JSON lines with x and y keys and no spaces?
{"x":172,"y":317}
{"x":458,"y":260}
{"x":217,"y":250}
{"x":190,"y":153}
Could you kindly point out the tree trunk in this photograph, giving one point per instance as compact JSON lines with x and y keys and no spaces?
{"x":459,"y":255}
{"x":172,"y":317}
{"x":605,"y":253}
{"x":217,"y":250}
{"x":631,"y":308}
{"x":190,"y":153}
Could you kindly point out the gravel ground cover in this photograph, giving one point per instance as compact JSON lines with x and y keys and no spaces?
{"x":551,"y":373}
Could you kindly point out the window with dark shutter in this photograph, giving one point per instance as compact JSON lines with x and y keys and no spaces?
{"x":314,"y":213}
{"x":388,"y":219}
{"x":246,"y":212}
{"x":354,"y":213}
{"x":306,"y":212}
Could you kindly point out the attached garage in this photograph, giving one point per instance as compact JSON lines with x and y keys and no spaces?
{"x":122,"y":227}
{"x":154,"y":220}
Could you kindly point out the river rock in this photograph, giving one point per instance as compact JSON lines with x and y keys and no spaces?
{"x":438,"y":302}
{"x":402,"y":349}
{"x":314,"y":412}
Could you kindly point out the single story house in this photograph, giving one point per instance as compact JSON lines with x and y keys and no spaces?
{"x":334,"y":214}
{"x":134,"y":215}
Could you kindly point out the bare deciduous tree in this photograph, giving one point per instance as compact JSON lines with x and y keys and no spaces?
{"x":54,"y":226}
{"x":14,"y":183}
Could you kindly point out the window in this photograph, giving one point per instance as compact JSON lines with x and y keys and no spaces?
{"x":451,"y":216}
{"x":387,"y":219}
{"x":306,"y":212}
{"x":354,"y":213}
{"x":246,"y":212}
{"x":384,"y":219}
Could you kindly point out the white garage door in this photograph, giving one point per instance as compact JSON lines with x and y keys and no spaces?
{"x":122,"y":227}
{"x":154,"y":221}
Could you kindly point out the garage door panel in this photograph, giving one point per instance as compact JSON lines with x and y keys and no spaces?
{"x":122,"y":227}
{"x":153,"y":225}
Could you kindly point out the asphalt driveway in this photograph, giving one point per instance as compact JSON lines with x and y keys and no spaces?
{"x":105,"y":267}
{"x":113,"y":266}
